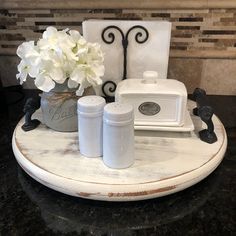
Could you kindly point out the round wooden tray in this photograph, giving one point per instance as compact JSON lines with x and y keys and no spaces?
{"x":165,"y":162}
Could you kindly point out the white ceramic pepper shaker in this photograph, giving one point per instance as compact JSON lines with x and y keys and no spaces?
{"x":118,"y":135}
{"x":90,"y":115}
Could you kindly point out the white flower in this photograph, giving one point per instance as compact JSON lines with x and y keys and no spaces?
{"x":44,"y":82}
{"x":61,"y":55}
{"x":23,"y":71}
{"x":86,"y":76}
{"x":28,"y":51}
{"x":26,"y":69}
{"x":57,"y":75}
{"x":72,"y":83}
{"x":77,"y":38}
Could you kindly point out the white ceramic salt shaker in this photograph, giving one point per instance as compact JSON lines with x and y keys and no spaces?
{"x":118,"y":135}
{"x":90,"y":115}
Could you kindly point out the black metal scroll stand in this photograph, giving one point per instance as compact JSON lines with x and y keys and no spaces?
{"x":30,"y":107}
{"x":205,"y":112}
{"x":140,"y":37}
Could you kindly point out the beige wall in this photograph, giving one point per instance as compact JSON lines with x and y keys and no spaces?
{"x":216,"y":76}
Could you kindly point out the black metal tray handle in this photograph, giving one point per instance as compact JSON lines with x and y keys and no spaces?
{"x":205,"y":112}
{"x":31,"y":105}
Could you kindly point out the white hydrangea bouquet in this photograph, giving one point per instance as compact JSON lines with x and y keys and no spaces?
{"x":59,"y":56}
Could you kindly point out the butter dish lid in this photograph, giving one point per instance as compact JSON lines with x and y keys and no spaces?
{"x":151,"y":86}
{"x":91,"y":104}
{"x":118,"y":112}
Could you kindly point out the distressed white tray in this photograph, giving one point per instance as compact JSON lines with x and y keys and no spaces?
{"x":165,"y":163}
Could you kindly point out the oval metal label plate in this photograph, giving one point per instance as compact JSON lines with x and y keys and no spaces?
{"x":149,"y":108}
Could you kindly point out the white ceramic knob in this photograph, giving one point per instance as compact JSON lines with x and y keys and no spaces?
{"x":150,"y":77}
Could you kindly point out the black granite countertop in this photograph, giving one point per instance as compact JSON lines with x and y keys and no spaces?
{"x":29,"y":208}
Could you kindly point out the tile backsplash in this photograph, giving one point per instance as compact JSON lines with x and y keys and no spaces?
{"x":195,"y":32}
{"x":202,"y":49}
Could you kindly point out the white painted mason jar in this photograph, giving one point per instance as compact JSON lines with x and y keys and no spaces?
{"x":118,"y":135}
{"x":90,"y":115}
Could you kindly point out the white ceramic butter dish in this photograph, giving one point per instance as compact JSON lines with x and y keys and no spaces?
{"x":158,"y":104}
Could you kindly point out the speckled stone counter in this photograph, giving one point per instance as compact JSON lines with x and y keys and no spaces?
{"x":29,"y":208}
